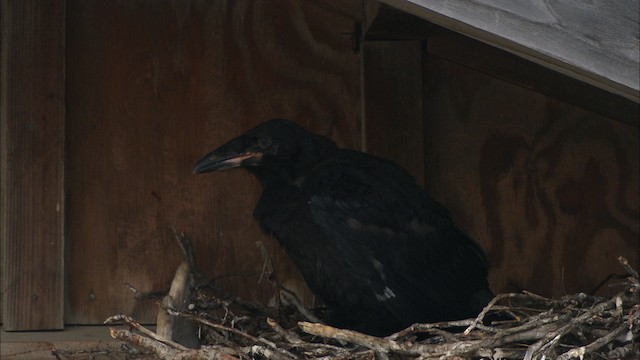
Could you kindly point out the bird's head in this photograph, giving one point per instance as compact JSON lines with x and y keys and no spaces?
{"x":273,"y":147}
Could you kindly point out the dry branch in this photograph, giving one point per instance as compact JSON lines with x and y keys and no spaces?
{"x":576,"y":326}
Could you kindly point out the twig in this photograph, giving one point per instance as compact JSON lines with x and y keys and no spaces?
{"x":595,"y":345}
{"x":551,"y":339}
{"x":168,"y":352}
{"x":290,"y":298}
{"x":135,"y":325}
{"x":486,"y":309}
{"x":594,"y":323}
{"x":283,"y":293}
{"x":218,"y":326}
{"x":179,"y":297}
{"x":418,"y":327}
{"x":537,"y":297}
{"x":630,"y":270}
{"x":379,"y":345}
{"x":606,"y":280}
{"x":139,"y":295}
{"x":187,"y":251}
{"x":235,"y":331}
{"x":291,"y":337}
{"x":266,"y":352}
{"x":268,"y":270}
{"x":162,"y":347}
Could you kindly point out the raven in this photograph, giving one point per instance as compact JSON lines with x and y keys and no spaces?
{"x":367,"y":239}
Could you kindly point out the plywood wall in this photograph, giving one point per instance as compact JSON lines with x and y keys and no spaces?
{"x":550,"y":190}
{"x":151,"y":87}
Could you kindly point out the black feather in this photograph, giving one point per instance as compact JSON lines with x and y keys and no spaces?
{"x":368,"y":240}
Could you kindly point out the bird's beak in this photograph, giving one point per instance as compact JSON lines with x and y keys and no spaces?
{"x":215,"y":161}
{"x":234,"y":153}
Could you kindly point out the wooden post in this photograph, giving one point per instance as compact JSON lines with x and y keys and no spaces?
{"x":32,"y":164}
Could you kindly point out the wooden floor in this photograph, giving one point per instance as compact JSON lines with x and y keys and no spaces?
{"x":74,"y":342}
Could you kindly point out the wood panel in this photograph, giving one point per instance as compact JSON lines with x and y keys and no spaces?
{"x":393,"y":108}
{"x":503,"y":65}
{"x":593,"y":41}
{"x":152,"y":86}
{"x":32,"y":164}
{"x":390,"y":23}
{"x":550,"y":190}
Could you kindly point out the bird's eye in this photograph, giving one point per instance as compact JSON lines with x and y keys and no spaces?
{"x":264,"y":142}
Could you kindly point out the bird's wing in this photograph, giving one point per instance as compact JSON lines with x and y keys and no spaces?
{"x":397,"y":238}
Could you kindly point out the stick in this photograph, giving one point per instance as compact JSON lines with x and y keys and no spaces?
{"x":266,"y":352}
{"x":486,"y":309}
{"x":550,"y":340}
{"x":187,"y":251}
{"x":241,"y":333}
{"x":595,"y":345}
{"x":291,"y":337}
{"x":165,"y":351}
{"x":291,"y":298}
{"x":139,"y":295}
{"x":630,"y":270}
{"x":135,"y":325}
{"x":284,"y":294}
{"x":179,"y":297}
{"x":267,"y":266}
{"x":379,"y":345}
{"x":419,"y":327}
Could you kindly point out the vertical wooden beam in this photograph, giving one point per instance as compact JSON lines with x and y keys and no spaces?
{"x":32,"y":164}
{"x":393,"y":103}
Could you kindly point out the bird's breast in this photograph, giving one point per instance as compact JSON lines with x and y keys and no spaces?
{"x":282,"y":212}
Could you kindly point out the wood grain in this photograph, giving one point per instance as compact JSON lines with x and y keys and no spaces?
{"x":549,"y":189}
{"x":393,"y":107}
{"x":505,"y":66}
{"x":393,"y":24}
{"x":593,"y":41}
{"x":32,"y":164}
{"x":153,"y":86}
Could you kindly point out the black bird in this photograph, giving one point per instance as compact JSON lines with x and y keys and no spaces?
{"x":367,"y":239}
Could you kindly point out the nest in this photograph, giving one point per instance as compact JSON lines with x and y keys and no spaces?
{"x":576,"y":326}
